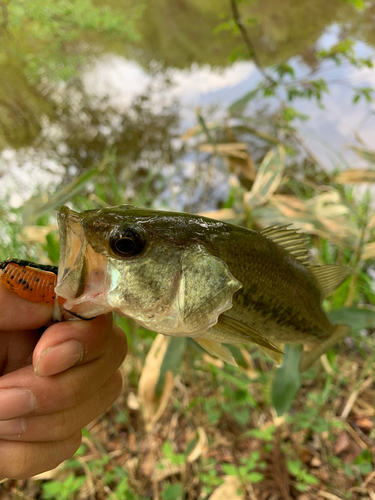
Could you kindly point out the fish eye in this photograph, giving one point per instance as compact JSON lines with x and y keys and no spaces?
{"x":127,"y":244}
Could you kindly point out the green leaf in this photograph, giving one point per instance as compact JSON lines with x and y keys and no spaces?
{"x":238,"y":106}
{"x":357,"y":319}
{"x":173,"y":492}
{"x":34,"y":207}
{"x":294,"y":466}
{"x":230,"y":470}
{"x":171,"y":362}
{"x":255,"y":477}
{"x":287,"y":379}
{"x":358,"y":4}
{"x":366,"y":154}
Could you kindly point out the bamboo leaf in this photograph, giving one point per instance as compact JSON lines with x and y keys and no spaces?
{"x":355,"y":175}
{"x":287,"y":379}
{"x":366,"y":154}
{"x":358,"y":319}
{"x":268,"y":178}
{"x":152,"y":406}
{"x":37,"y":206}
{"x":171,"y":362}
{"x":238,"y":106}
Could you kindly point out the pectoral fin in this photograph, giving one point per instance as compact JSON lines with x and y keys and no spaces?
{"x":277,"y":357}
{"x":244,"y":333}
{"x":217,"y":349}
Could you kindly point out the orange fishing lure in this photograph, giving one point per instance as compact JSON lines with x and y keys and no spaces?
{"x":32,"y":281}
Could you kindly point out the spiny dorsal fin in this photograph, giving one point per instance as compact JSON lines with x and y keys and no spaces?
{"x":329,"y":277}
{"x":290,"y":240}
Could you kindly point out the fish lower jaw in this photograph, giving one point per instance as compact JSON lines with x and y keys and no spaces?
{"x":71,"y":303}
{"x":89,"y":307}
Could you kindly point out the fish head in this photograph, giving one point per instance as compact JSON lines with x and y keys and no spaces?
{"x":144,"y":264}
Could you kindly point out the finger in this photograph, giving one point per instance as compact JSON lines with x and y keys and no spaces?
{"x":61,"y":425}
{"x":17,"y":313}
{"x":17,"y":349}
{"x":66,"y":344}
{"x":25,"y":393}
{"x":24,"y":460}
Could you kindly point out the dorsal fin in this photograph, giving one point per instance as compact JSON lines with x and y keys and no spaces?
{"x":329,"y":277}
{"x":290,"y":240}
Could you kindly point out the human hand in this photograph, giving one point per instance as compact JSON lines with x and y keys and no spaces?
{"x":52,"y":383}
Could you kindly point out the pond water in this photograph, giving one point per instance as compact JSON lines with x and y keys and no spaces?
{"x":136,"y":97}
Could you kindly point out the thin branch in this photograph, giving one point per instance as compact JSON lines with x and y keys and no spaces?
{"x":249,"y":44}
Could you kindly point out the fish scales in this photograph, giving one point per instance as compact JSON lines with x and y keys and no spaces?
{"x":279,"y":297}
{"x":186,"y":275}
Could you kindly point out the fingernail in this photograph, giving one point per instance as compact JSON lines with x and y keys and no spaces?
{"x":15,"y":426}
{"x":58,"y":358}
{"x":15,"y":402}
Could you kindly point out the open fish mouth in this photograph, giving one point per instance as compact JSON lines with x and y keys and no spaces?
{"x":82,"y":279}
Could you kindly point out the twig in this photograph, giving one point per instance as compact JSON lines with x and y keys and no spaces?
{"x":355,"y":436}
{"x":328,"y":496}
{"x":327,"y":367}
{"x":354,"y":395}
{"x":369,"y":479}
{"x":251,"y":491}
{"x":249,"y":44}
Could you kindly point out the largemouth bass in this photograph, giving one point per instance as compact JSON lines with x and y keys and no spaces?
{"x":186,"y":275}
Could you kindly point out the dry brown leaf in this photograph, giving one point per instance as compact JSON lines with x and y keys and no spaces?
{"x":168,"y":469}
{"x":323,"y":215}
{"x":149,"y":379}
{"x":207,"y":358}
{"x":228,"y":490}
{"x":31,"y":234}
{"x":236,"y":154}
{"x":132,"y":401}
{"x":59,"y":473}
{"x":167,"y":391}
{"x":196,"y":130}
{"x":290,"y":206}
{"x":199,"y":447}
{"x":365,"y":424}
{"x":355,"y":175}
{"x":268,"y":178}
{"x":342,"y":442}
{"x":371,"y":223}
{"x":238,"y":149}
{"x":328,"y":496}
{"x":244,"y":166}
{"x":222,"y":214}
{"x":368,"y":251}
{"x":315,"y":462}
